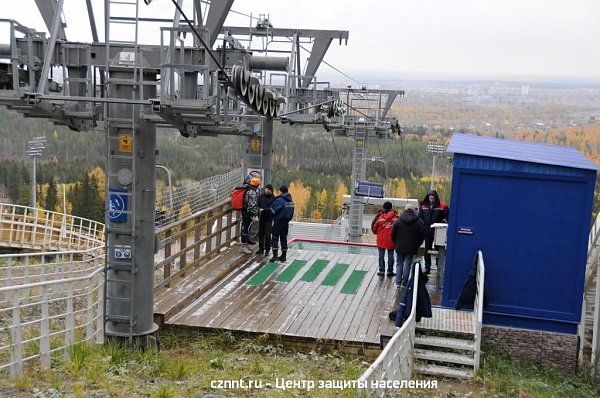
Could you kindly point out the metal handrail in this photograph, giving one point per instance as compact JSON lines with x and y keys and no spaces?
{"x":396,"y":360}
{"x":478,"y":307}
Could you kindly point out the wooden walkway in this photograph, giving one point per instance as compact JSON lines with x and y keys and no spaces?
{"x":301,"y":300}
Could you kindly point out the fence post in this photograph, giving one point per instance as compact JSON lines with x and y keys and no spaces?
{"x":26,"y":279}
{"x":167,"y":265}
{"x":197,"y":236}
{"x":69,"y":325}
{"x":219,"y":238}
{"x":45,"y":330}
{"x":229,"y":227}
{"x":16,"y":367}
{"x":89,"y":327}
{"x":100,"y":309}
{"x":182,"y":246}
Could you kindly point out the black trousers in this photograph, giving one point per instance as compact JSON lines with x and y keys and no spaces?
{"x":428,"y":246}
{"x":264,"y":234}
{"x":279,"y":234}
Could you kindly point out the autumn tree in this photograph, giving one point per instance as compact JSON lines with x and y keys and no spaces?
{"x":300,"y":194}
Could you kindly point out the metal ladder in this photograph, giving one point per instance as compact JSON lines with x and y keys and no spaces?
{"x":124,"y":270}
{"x":358,"y":174}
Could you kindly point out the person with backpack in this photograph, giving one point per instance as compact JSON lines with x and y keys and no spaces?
{"x":382,"y":227}
{"x":283,"y":212}
{"x":249,"y":210}
{"x":265,"y":220}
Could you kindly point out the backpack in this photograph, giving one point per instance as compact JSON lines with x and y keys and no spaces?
{"x":237,"y":198}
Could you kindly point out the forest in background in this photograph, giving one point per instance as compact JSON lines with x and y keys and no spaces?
{"x":314,"y":164}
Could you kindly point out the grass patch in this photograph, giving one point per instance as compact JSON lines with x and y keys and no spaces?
{"x":189,"y":361}
{"x":504,"y":377}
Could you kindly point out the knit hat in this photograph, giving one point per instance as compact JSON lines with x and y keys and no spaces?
{"x":410,"y":206}
{"x":283,"y":189}
{"x":387,"y":206}
{"x":269,"y":186}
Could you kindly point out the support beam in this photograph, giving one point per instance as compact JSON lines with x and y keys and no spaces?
{"x":217,"y":12}
{"x":92,"y":20}
{"x":56,"y":23}
{"x":391,"y":97}
{"x":319,"y":48}
{"x":47,"y":9}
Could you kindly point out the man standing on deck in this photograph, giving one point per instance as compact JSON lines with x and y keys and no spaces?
{"x":408,"y":233}
{"x":265,"y":217}
{"x":432,"y":211}
{"x":382,"y":227}
{"x":283,"y":212}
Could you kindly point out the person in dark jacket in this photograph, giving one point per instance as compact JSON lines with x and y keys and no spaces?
{"x":423,"y":307}
{"x":408,"y":233}
{"x":265,"y":220}
{"x":249,"y":212}
{"x":432,"y":211}
{"x":283,"y":212}
{"x":382,"y":227}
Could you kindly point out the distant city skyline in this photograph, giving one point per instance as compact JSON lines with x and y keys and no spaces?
{"x":532,"y":40}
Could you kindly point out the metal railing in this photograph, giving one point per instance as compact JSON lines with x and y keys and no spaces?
{"x":396,"y":360}
{"x":48,"y":316}
{"x":186,"y":200}
{"x":22,"y":269}
{"x":38,"y":229}
{"x":590,"y":313}
{"x":478,"y":307}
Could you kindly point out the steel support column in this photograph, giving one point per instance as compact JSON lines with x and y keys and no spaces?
{"x":131,"y":178}
{"x":358,"y":174}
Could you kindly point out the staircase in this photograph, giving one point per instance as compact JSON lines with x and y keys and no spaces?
{"x":448,"y":344}
{"x":445,"y":354}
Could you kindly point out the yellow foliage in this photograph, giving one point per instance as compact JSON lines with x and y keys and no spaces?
{"x":316,"y":214}
{"x":300,"y":194}
{"x":98,"y":173}
{"x":340,"y":191}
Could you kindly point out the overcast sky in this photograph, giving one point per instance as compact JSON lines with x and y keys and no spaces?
{"x":414,"y":38}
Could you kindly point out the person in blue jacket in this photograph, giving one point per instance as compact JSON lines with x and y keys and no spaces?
{"x":283,"y":212}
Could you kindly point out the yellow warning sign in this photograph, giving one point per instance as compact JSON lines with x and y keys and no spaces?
{"x":360,"y":143}
{"x":125,"y":143}
{"x":255,"y":144}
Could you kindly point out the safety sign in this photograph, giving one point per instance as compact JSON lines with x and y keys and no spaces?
{"x":117,"y":205}
{"x":123,"y":252}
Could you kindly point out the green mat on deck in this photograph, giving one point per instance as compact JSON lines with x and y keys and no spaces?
{"x":314,"y":270}
{"x":290,"y":272}
{"x":336,"y":273}
{"x":353,"y":282}
{"x":262,"y":275}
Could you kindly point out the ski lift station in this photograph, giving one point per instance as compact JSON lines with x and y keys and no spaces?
{"x":528,"y":207}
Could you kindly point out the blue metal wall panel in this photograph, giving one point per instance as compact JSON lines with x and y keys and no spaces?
{"x":531,"y":222}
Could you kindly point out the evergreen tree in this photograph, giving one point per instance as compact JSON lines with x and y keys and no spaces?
{"x":51,"y":196}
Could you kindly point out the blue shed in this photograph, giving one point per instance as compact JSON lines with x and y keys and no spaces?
{"x":527,"y":207}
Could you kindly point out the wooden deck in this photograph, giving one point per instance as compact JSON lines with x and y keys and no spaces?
{"x":301,"y":310}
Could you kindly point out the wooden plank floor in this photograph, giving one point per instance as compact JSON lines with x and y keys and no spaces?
{"x":299,"y":309}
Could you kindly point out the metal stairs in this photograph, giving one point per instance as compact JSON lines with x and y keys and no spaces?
{"x":445,"y":354}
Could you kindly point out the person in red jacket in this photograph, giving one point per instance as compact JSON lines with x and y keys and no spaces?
{"x":382,"y":226}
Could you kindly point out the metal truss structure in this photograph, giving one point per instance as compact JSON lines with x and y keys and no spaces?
{"x":203,"y":79}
